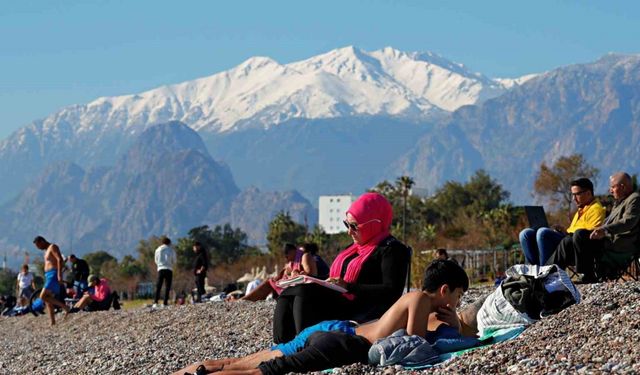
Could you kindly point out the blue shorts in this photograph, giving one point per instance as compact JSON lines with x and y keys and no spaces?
{"x":298,"y":342}
{"x":51,"y":281}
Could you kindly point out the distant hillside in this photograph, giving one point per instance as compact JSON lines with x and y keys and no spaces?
{"x":166,"y":183}
{"x":592,"y":109}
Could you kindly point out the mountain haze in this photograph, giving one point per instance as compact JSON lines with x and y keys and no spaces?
{"x":166,"y":183}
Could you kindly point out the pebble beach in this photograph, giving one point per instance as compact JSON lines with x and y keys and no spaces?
{"x":599,"y":335}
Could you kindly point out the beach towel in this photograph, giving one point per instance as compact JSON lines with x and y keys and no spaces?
{"x":415,"y":353}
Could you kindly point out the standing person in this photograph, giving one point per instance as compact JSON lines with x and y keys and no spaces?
{"x":53,"y":262}
{"x":539,"y":245}
{"x":200,"y":267}
{"x":165,"y":259}
{"x":26,"y":285}
{"x":80,"y":272}
{"x":373,"y":270}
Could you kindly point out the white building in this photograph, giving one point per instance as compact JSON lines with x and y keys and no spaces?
{"x":332,"y":210}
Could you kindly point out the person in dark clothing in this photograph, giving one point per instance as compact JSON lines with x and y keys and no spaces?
{"x":80,"y":273}
{"x":322,"y":269}
{"x":200,"y":267}
{"x":373,"y":270}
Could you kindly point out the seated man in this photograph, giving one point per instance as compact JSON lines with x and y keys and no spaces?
{"x":616,"y":237}
{"x":538,"y":245}
{"x":316,"y":349}
{"x":100,"y":299}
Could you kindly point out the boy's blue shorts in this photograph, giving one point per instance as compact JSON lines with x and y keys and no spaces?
{"x":298,"y":342}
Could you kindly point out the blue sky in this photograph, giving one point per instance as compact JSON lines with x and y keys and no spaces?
{"x":57,"y":53}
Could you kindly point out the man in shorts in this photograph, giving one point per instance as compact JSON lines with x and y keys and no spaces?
{"x":53,"y":263}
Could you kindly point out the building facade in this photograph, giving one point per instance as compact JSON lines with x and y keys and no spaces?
{"x":332,"y":210}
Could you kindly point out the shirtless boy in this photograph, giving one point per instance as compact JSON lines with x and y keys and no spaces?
{"x":443,"y":286}
{"x":53,"y":263}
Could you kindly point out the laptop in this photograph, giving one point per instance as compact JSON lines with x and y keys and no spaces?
{"x":536,"y":216}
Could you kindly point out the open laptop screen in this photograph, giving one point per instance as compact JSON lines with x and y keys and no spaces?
{"x":536,"y":216}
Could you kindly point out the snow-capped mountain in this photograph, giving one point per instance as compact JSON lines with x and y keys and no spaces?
{"x":258,"y":94}
{"x":261,"y":92}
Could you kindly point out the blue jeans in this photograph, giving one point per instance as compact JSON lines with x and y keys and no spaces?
{"x":80,"y":287}
{"x":538,"y":246}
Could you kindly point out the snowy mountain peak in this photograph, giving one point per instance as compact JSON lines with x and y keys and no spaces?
{"x":260,"y":92}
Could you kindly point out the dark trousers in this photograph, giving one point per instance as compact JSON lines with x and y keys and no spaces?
{"x":200,"y":285}
{"x":164,"y":276}
{"x":580,"y":251}
{"x":302,"y":306}
{"x":322,"y":351}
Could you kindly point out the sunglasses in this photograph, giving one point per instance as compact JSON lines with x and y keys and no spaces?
{"x":355,"y":226}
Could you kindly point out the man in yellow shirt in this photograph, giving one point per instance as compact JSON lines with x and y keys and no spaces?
{"x":539,"y":245}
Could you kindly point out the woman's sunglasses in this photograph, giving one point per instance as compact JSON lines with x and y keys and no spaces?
{"x":355,"y":226}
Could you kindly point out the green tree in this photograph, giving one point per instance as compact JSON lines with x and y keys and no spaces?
{"x":146,"y":255}
{"x":222,"y":243}
{"x":283,"y":229}
{"x":97,"y":259}
{"x":7,"y":281}
{"x":553,"y":182}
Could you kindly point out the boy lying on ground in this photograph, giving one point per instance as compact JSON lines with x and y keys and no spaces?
{"x":338,"y":343}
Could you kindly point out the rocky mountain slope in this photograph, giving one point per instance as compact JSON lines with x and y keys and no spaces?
{"x":167,"y":183}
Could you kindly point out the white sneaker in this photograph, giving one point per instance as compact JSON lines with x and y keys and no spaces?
{"x":155,"y":306}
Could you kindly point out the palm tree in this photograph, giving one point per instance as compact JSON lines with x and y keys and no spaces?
{"x":404,"y":183}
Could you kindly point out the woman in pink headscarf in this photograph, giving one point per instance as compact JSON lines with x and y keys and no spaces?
{"x":373,"y":270}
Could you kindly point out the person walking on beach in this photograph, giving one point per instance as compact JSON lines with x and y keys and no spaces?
{"x":165,"y":258}
{"x":200,"y":266}
{"x":53,"y":263}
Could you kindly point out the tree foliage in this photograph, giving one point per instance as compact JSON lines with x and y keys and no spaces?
{"x":283,"y":229}
{"x":7,"y":282}
{"x":553,"y":182}
{"x":97,"y":259}
{"x":222,"y":243}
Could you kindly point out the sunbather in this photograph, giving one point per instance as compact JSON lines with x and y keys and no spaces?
{"x":315,"y":349}
{"x":298,"y":262}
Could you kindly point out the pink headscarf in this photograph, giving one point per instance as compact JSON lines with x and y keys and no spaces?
{"x":369,"y":208}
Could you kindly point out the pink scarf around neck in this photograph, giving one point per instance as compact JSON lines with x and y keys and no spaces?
{"x":374,"y":213}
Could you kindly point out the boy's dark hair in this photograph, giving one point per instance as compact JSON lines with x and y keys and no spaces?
{"x":310,"y":248}
{"x":583,"y":183}
{"x":441,"y":272}
{"x":288,"y":247}
{"x":39,"y":239}
{"x":166,"y":241}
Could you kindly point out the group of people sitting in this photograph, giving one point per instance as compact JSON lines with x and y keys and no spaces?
{"x":299,"y":260}
{"x":598,"y":246}
{"x":316,"y":327}
{"x":82,"y":291}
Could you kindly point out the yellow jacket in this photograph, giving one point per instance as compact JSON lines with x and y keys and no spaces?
{"x":588,"y":217}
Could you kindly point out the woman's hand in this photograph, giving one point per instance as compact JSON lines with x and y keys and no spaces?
{"x":338,"y":281}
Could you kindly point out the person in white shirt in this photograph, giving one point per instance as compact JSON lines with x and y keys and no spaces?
{"x":165,"y":258}
{"x":25,"y":284}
